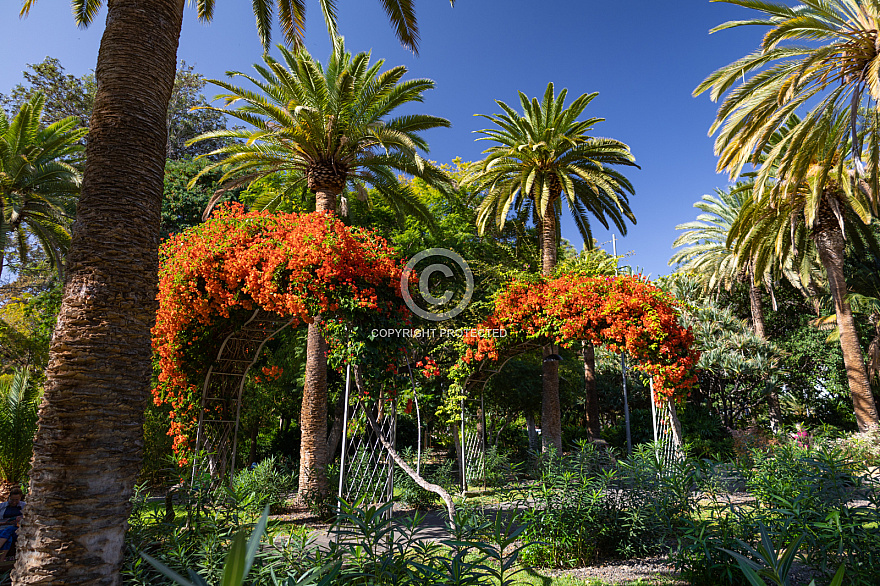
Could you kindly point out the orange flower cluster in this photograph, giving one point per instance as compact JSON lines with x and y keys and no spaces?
{"x":272,"y":374}
{"x":295,"y":265}
{"x":625,"y":314}
{"x":428,"y":367}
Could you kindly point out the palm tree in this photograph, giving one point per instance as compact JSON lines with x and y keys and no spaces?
{"x":38,"y":180}
{"x":834,"y":76}
{"x":87,"y":452}
{"x":18,"y":423}
{"x":834,"y":71}
{"x":325,"y":129}
{"x":710,"y":257}
{"x":539,"y":158}
{"x":804,"y":187}
{"x":707,"y":255}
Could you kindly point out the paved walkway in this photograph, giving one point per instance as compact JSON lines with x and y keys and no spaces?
{"x":431,"y":528}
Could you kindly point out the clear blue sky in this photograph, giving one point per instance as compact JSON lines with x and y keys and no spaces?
{"x":643,"y":57}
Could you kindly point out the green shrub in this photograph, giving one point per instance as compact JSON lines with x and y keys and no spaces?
{"x":268,"y":483}
{"x":588,"y":508}
{"x":406,"y":489}
{"x":370,"y":549}
{"x":159,"y":467}
{"x":514,"y":440}
{"x":704,"y":435}
{"x":700,"y":556}
{"x":863,"y":449}
{"x":778,"y":473}
{"x":810,"y":494}
{"x":497,"y":469}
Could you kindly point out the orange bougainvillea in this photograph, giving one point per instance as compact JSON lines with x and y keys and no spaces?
{"x":294,"y":265}
{"x":624,"y":314}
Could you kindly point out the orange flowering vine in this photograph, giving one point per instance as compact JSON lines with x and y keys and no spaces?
{"x":625,"y":314}
{"x":295,"y":265}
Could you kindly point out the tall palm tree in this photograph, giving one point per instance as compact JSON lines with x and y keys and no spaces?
{"x":38,"y":180}
{"x":710,"y":256}
{"x":707,"y":255}
{"x":804,"y":187}
{"x":835,"y":77}
{"x":540,"y":158}
{"x":326,"y":128}
{"x":88,"y":450}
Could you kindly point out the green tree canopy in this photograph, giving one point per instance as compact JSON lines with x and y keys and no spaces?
{"x":39,"y":180}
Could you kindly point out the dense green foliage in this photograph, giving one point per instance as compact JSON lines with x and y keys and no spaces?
{"x":19,"y":399}
{"x":819,"y":493}
{"x":588,"y":508}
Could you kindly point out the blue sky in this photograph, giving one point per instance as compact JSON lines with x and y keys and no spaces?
{"x":643,"y":57}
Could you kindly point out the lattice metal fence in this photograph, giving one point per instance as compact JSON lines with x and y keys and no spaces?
{"x":473,"y":441}
{"x":475,"y":455}
{"x":366,"y":470}
{"x":667,"y":431}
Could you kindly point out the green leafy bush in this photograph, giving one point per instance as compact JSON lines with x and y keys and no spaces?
{"x":588,"y":508}
{"x":778,"y":473}
{"x":406,"y":489}
{"x":818,"y":496}
{"x":268,"y":484}
{"x":370,"y":549}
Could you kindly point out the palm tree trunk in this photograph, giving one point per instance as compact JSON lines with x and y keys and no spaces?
{"x":88,"y":449}
{"x":829,"y":242}
{"x":534,"y":442}
{"x":551,"y":417}
{"x":548,"y":245}
{"x":591,"y":392}
{"x":313,"y":422}
{"x":757,"y":308}
{"x":313,"y":451}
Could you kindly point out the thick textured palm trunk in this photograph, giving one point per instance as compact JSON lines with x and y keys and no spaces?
{"x":829,"y":242}
{"x":313,"y":420}
{"x":551,"y":417}
{"x":313,"y":442}
{"x":548,"y":245}
{"x":591,"y":392}
{"x":87,"y":452}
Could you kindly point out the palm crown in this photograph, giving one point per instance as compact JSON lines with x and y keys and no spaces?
{"x":706,"y":254}
{"x":836,"y":70}
{"x":328,"y":128}
{"x":546,"y":152}
{"x":38,"y":179}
